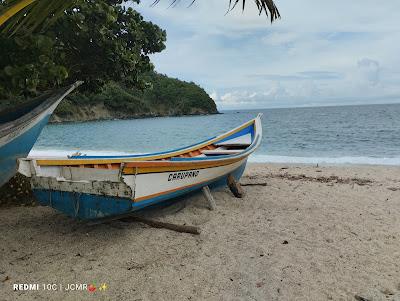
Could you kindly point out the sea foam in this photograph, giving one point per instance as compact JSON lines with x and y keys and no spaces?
{"x":324,"y":160}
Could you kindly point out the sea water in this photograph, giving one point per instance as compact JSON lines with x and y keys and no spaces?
{"x":368,"y":134}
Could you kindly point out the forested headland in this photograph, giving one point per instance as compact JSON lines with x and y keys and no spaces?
{"x":108,"y":46}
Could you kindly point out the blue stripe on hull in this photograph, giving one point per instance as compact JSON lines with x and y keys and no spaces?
{"x":90,"y":206}
{"x":19,"y":147}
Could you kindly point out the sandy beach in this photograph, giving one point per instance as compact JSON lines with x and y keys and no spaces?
{"x":300,"y":233}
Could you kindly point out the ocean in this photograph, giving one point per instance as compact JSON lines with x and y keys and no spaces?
{"x":367,"y":134}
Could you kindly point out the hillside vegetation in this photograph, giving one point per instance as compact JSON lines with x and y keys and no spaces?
{"x":163,"y":96}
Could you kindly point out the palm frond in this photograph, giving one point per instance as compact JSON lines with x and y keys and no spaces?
{"x":13,"y":7}
{"x":15,"y":14}
{"x":31,"y":13}
{"x":264,"y":6}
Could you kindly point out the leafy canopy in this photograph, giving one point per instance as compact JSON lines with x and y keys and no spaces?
{"x":95,"y":41}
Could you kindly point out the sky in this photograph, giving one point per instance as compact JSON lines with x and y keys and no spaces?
{"x":319,"y":53}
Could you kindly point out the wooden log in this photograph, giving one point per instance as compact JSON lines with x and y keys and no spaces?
{"x":254,"y":184}
{"x":158,"y":224}
{"x":235,"y":187}
{"x":129,"y":217}
{"x":208,"y":196}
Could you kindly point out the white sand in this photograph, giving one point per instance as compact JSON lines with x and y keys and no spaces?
{"x":312,"y":233}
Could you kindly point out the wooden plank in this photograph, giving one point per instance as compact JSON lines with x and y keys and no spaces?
{"x":221,"y":151}
{"x":208,"y":196}
{"x":235,"y":187}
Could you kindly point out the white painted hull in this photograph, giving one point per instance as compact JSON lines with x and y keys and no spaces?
{"x":150,"y":185}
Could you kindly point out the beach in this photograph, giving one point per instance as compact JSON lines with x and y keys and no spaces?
{"x":301,"y":232}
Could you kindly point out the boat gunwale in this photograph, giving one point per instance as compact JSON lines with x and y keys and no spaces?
{"x":50,"y":98}
{"x":149,"y":159}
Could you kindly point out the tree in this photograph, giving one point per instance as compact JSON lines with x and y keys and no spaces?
{"x":32,"y":13}
{"x":95,"y":41}
{"x":102,"y":41}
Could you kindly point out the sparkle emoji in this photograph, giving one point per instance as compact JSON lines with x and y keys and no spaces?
{"x":103,"y":287}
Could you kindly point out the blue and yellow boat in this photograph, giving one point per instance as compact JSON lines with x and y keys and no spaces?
{"x":20,"y":127}
{"x":90,"y":187}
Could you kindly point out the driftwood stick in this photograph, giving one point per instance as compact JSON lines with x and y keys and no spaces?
{"x":129,"y":217}
{"x":158,"y":224}
{"x":207,"y":194}
{"x":253,"y":184}
{"x":235,"y":187}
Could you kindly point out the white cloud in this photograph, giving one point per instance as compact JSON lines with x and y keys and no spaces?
{"x":279,"y":38}
{"x":319,"y":52}
{"x":369,"y":70}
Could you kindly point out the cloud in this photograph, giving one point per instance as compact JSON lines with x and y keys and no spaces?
{"x":304,"y":75}
{"x":369,"y":70}
{"x":318,"y":57}
{"x":279,"y":39}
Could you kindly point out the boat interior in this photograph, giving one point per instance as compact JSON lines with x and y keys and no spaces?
{"x":231,"y":143}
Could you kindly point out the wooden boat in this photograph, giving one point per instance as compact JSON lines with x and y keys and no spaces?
{"x":90,"y":187}
{"x":20,"y":127}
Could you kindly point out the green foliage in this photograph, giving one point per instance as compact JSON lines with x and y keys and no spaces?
{"x":164,"y":96}
{"x":28,"y":65}
{"x":103,"y":41}
{"x":117,"y":98}
{"x":173,"y":95}
{"x":95,"y":41}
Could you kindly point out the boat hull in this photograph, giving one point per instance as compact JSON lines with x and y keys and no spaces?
{"x":20,"y":130}
{"x":19,"y":146}
{"x":101,"y":186}
{"x":88,"y":206}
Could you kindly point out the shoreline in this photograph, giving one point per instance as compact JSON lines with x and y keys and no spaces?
{"x":300,"y":232}
{"x":254,"y":159}
{"x":333,"y":165}
{"x":56,"y":119}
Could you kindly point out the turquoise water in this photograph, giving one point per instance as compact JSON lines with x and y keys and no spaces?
{"x":347,"y":134}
